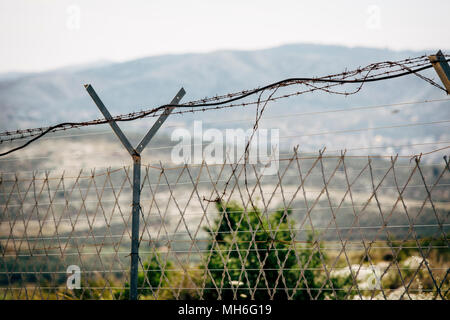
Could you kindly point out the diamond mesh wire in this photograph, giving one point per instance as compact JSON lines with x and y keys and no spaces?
{"x":322,"y":227}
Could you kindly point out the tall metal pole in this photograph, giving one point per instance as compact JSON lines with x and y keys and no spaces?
{"x":135,"y":226}
{"x":136,"y":155}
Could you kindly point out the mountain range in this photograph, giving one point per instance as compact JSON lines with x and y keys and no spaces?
{"x":46,"y":98}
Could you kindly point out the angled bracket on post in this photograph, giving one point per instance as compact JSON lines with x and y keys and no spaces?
{"x":442,"y":68}
{"x":136,"y":155}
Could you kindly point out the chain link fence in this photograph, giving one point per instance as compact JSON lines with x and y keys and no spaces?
{"x":322,"y":227}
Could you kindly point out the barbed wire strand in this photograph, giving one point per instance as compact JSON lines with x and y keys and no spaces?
{"x":331,"y":79}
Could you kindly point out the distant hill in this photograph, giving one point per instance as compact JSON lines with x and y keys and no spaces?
{"x":39,"y":99}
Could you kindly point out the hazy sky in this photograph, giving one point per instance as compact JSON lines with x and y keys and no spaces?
{"x":37,"y":35}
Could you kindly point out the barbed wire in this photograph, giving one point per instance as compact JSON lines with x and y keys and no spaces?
{"x":197,"y":103}
{"x":284,"y":115}
{"x":374,"y":72}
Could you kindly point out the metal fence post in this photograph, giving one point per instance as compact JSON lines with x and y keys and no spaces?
{"x":135,"y":226}
{"x":136,"y":155}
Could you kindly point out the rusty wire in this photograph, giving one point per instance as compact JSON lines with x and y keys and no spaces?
{"x":25,"y":247}
{"x":374,"y":72}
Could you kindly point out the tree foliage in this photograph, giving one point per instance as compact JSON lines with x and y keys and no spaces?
{"x":245,"y":257}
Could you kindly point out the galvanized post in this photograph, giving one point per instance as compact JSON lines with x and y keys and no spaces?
{"x":136,"y":155}
{"x":135,"y":226}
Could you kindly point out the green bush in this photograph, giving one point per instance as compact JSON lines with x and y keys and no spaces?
{"x":238,"y":262}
